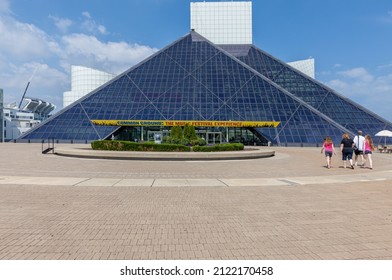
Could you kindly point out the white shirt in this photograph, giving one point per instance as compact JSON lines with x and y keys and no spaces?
{"x":359,"y":141}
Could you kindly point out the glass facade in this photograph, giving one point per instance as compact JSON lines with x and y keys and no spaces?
{"x":1,"y":116}
{"x":212,"y":135}
{"x":326,"y":101}
{"x":194,"y":79}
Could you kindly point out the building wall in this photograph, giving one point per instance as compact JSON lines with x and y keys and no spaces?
{"x":223,"y":22}
{"x":17,"y":123}
{"x":83,"y":81}
{"x":1,"y":116}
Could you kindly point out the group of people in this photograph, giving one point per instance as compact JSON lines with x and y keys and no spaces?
{"x":361,"y":146}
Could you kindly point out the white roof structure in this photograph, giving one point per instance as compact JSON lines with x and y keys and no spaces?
{"x":38,"y":106}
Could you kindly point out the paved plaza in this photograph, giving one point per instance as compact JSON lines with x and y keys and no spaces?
{"x":284,"y":207}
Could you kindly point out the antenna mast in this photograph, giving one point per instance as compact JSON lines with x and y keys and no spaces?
{"x":27,"y":86}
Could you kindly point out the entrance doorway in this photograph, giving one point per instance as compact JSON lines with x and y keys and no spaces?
{"x":153,"y":134}
{"x":214,"y":137}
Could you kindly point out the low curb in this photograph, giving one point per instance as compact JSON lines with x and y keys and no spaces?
{"x":84,"y":152}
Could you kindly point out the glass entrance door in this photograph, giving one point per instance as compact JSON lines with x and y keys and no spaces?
{"x":214,"y":137}
{"x":152,"y":135}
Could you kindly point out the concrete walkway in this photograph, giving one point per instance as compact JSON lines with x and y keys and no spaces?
{"x":288,"y":206}
{"x":208,"y":182}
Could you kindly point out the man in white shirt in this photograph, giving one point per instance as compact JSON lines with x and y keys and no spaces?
{"x":359,"y":142}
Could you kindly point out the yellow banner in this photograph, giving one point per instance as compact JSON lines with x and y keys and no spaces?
{"x":185,"y":123}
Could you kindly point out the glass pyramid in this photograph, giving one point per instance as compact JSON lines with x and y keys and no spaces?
{"x":344,"y":111}
{"x":193,"y":79}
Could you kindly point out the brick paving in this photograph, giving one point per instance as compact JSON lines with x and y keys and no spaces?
{"x":341,"y":220}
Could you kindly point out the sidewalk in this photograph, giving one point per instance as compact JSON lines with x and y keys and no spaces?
{"x":284,"y":207}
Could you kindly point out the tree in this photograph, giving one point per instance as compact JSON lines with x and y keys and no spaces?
{"x":190,"y":132}
{"x":176,"y":133}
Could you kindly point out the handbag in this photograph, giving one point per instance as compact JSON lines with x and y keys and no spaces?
{"x":355,"y":148}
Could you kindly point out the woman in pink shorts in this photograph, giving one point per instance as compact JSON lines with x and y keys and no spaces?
{"x":369,"y":148}
{"x":329,"y":149}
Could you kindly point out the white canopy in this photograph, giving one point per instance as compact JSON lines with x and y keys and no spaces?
{"x":385,"y":133}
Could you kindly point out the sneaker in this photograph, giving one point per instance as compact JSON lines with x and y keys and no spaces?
{"x":352,"y":166}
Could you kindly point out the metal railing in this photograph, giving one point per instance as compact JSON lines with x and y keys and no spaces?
{"x":50,"y":147}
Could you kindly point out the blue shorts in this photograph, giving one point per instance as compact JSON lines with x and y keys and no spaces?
{"x":347,"y":155}
{"x":328,"y":154}
{"x":368,"y":152}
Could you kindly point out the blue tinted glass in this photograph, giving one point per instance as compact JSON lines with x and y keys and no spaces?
{"x":193,"y":79}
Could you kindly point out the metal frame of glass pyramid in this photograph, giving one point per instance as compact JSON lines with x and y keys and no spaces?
{"x":194,"y":79}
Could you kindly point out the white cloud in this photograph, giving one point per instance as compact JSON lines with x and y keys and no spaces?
{"x":385,"y":19}
{"x":385,"y":66}
{"x":21,"y":40}
{"x":114,"y":57}
{"x":25,"y":47}
{"x":62,"y":24}
{"x":86,"y":15}
{"x":45,"y":81}
{"x":5,"y":6}
{"x":360,"y":74}
{"x":91,"y":26}
{"x":372,"y":92}
{"x":338,"y":84}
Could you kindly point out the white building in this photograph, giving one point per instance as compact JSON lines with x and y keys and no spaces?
{"x":230,"y":22}
{"x":1,"y":117}
{"x":223,"y":22}
{"x":19,"y":120}
{"x":306,"y":66}
{"x":83,"y":81}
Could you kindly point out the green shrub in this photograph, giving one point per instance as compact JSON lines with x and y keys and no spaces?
{"x":198,"y":142}
{"x":219,"y":148}
{"x":170,"y":140}
{"x":201,"y":142}
{"x":176,"y":132}
{"x":190,"y":133}
{"x":184,"y":142}
{"x":136,"y":146}
{"x":116,"y":145}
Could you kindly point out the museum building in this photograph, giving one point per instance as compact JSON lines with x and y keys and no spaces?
{"x":225,"y":86}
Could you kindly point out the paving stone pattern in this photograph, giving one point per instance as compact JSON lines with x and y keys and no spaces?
{"x":349,"y":218}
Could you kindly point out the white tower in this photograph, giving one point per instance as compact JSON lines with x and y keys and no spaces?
{"x":83,"y":81}
{"x":223,"y":22}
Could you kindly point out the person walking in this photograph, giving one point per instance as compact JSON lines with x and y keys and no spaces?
{"x":369,"y":148}
{"x":346,"y":147}
{"x":329,"y":149}
{"x":359,"y":142}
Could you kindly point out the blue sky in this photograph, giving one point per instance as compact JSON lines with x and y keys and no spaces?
{"x":351,"y":41}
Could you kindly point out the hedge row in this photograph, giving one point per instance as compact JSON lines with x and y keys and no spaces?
{"x":116,"y":145}
{"x":134,"y":146}
{"x":220,"y":147}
